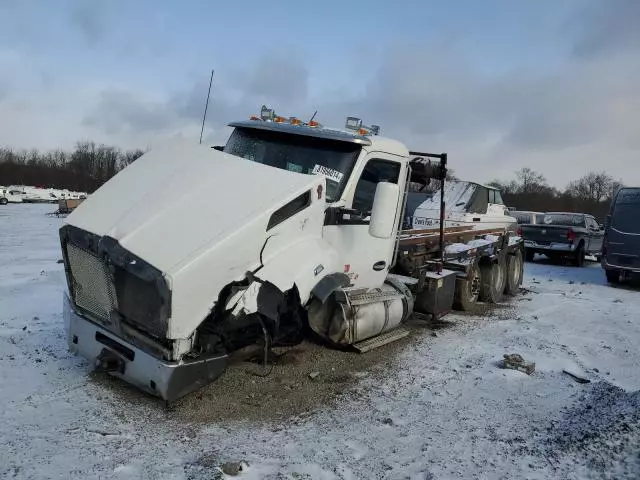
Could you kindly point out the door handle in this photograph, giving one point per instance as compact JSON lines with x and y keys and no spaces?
{"x":476,"y":219}
{"x":379,"y":265}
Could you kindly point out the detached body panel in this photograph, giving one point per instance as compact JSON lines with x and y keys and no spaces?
{"x":146,"y":270}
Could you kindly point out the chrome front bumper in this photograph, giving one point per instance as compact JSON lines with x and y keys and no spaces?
{"x":167,"y":380}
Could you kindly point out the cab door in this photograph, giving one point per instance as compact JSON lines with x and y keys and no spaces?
{"x":366,"y":259}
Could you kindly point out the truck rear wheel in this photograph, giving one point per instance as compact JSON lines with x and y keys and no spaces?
{"x":468,"y":291}
{"x":493,"y":281}
{"x":515,"y":272}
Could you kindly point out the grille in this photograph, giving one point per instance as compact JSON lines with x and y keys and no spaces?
{"x":92,"y":287}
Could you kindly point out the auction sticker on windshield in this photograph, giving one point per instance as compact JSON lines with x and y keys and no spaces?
{"x":330,"y":173}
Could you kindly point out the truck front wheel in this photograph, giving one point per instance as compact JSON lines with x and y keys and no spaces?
{"x":3,"y":201}
{"x":493,"y":281}
{"x":468,"y":291}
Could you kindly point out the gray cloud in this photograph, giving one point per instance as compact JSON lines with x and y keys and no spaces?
{"x":89,"y":18}
{"x":562,"y":121}
{"x":119,"y":111}
{"x":572,"y":117}
{"x":275,"y":79}
{"x":607,"y":26}
{"x":278,"y":77}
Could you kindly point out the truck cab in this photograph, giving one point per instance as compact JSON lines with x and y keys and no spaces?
{"x":353,"y":163}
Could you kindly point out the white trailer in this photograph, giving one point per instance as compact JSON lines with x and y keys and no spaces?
{"x":12,"y":194}
{"x":288,"y":225}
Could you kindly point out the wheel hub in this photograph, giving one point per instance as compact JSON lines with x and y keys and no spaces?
{"x":474,"y":285}
{"x":516,"y":274}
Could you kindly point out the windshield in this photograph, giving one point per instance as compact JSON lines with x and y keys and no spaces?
{"x":626,"y":211}
{"x":297,"y":153}
{"x":563,"y":219}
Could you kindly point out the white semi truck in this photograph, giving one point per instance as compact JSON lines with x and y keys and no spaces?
{"x":290,"y":225}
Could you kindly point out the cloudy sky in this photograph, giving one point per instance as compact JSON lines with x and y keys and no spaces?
{"x":499,"y":84}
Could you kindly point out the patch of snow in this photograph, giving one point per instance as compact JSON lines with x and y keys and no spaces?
{"x":457,"y":248}
{"x":456,"y":195}
{"x":479,"y":242}
{"x":513,"y":239}
{"x":444,"y":409}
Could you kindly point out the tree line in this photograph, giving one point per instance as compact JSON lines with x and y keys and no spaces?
{"x":89,"y":165}
{"x":530,"y":190}
{"x":85,"y":168}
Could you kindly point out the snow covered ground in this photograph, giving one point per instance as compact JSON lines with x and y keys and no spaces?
{"x":441,"y":407}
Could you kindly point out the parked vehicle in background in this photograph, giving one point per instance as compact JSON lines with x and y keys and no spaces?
{"x":30,"y":194}
{"x":563,"y":235}
{"x":13,"y":194}
{"x":621,"y":243}
{"x":525,"y":217}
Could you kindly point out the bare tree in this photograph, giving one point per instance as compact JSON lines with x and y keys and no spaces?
{"x":615,"y":185}
{"x":129,"y":157}
{"x":594,"y":186}
{"x":506,"y":188}
{"x":531,"y":181}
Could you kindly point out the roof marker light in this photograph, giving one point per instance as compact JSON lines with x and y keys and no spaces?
{"x":266,"y":113}
{"x":313,"y":123}
{"x":294,"y":121}
{"x":353,"y":123}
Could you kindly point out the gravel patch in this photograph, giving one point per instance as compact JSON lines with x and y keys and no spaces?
{"x":300,"y":380}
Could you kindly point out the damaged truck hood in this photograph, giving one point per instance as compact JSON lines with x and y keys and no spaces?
{"x":197,"y":214}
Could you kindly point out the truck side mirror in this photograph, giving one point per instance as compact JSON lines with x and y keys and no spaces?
{"x":383,"y":213}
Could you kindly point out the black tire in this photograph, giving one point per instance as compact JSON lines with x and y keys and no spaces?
{"x":613,"y":276}
{"x":468,"y":291}
{"x":3,"y":201}
{"x":529,"y":254}
{"x":578,"y":259}
{"x":515,"y":273}
{"x":554,"y":257}
{"x":494,"y":277}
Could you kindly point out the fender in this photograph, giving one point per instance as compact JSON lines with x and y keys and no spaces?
{"x":311,"y":265}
